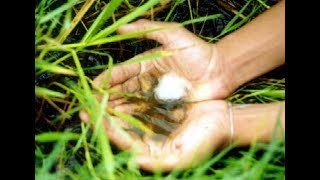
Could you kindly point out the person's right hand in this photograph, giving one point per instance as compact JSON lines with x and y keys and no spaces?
{"x":197,"y":61}
{"x":203,"y":128}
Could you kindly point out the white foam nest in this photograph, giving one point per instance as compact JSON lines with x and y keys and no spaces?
{"x":171,"y":87}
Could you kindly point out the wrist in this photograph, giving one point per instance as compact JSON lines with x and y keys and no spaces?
{"x":256,"y":48}
{"x":257,"y":122}
{"x":215,"y":81}
{"x":222,"y":78}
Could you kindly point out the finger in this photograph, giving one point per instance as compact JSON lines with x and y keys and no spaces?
{"x":120,"y":138}
{"x":112,"y":102}
{"x":84,"y":116}
{"x":117,"y":102}
{"x":130,"y":86}
{"x":176,"y":115}
{"x":158,"y":123}
{"x":132,"y":108}
{"x":143,"y":83}
{"x":124,"y":78}
{"x":169,"y":33}
{"x":122,"y":73}
{"x":152,"y":164}
{"x":159,"y":158}
{"x":119,"y":74}
{"x":143,"y":24}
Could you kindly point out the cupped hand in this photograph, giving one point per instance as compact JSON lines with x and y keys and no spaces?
{"x":195,"y":60}
{"x":204,"y":128}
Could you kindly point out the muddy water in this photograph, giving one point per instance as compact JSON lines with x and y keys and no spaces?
{"x":162,"y":117}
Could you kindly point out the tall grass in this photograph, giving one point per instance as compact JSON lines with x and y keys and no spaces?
{"x":78,"y":152}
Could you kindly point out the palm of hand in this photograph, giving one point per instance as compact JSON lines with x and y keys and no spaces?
{"x":203,"y":129}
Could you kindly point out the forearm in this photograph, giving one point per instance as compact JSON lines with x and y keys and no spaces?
{"x":257,"y":122}
{"x":255,"y":48}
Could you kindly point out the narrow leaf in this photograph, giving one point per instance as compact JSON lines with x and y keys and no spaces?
{"x":102,"y":18}
{"x":56,"y":136}
{"x":130,"y":119}
{"x":58,"y":11}
{"x":201,"y":19}
{"x":126,"y":19}
{"x":45,"y":66}
{"x":44,"y":92}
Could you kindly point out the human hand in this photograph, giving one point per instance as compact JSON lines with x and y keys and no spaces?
{"x":203,"y":129}
{"x":196,"y":60}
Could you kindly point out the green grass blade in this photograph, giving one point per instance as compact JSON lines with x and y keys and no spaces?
{"x":122,"y":37}
{"x":237,"y":25}
{"x":201,"y":19}
{"x":131,"y":120}
{"x":53,"y":25}
{"x":191,"y":15}
{"x":102,"y":18}
{"x":39,"y":11}
{"x":95,"y":52}
{"x":44,"y":92}
{"x":50,"y":160}
{"x":103,"y":141}
{"x":68,"y":113}
{"x":201,"y":169}
{"x":58,"y":11}
{"x":233,"y":20}
{"x":256,"y":93}
{"x":66,"y":22}
{"x":82,"y":138}
{"x":101,"y":41}
{"x":105,"y":81}
{"x":100,"y":114}
{"x":96,"y":67}
{"x":72,"y":90}
{"x":87,"y":154}
{"x":126,"y":19}
{"x":147,"y":57}
{"x":45,"y":66}
{"x":81,"y":74}
{"x":63,"y":34}
{"x":125,"y":94}
{"x":128,"y":4}
{"x":106,"y":153}
{"x":56,"y":136}
{"x":264,"y":4}
{"x":275,"y":94}
{"x":173,"y":8}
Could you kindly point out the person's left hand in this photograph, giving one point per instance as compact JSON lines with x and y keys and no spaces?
{"x":204,"y":128}
{"x":193,"y":59}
